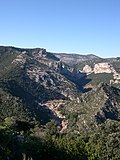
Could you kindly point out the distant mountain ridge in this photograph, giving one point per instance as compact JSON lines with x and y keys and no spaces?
{"x":75,"y":58}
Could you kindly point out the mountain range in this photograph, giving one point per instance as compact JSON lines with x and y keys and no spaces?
{"x":37,"y":76}
{"x":80,"y":92}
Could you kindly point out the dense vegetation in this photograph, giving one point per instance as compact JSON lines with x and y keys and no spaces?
{"x":30,"y":132}
{"x":18,"y":141}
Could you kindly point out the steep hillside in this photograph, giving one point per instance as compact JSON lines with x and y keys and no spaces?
{"x":34,"y":76}
{"x":53,"y":110}
{"x":36,"y":66}
{"x":93,"y":109}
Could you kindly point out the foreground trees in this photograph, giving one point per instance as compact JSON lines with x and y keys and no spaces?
{"x":104,"y":143}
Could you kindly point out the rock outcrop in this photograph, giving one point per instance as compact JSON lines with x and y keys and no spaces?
{"x":70,"y":72}
{"x":20,"y":59}
{"x":103,"y":68}
{"x":87,"y":69}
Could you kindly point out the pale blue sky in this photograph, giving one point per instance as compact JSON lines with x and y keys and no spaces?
{"x":75,"y":26}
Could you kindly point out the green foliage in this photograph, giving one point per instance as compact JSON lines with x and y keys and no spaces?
{"x":104,"y":143}
{"x":52,"y":148}
{"x":13,"y":108}
{"x":86,"y":136}
{"x":51,"y":127}
{"x":101,"y":77}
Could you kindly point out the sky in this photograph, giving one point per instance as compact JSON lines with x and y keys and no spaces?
{"x":67,"y":26}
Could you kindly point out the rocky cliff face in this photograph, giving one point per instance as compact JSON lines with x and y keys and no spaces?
{"x":87,"y":69}
{"x":103,"y":68}
{"x":69,"y":72}
{"x":43,"y":69}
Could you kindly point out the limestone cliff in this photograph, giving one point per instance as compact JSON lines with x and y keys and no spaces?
{"x":103,"y":68}
{"x":87,"y":69}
